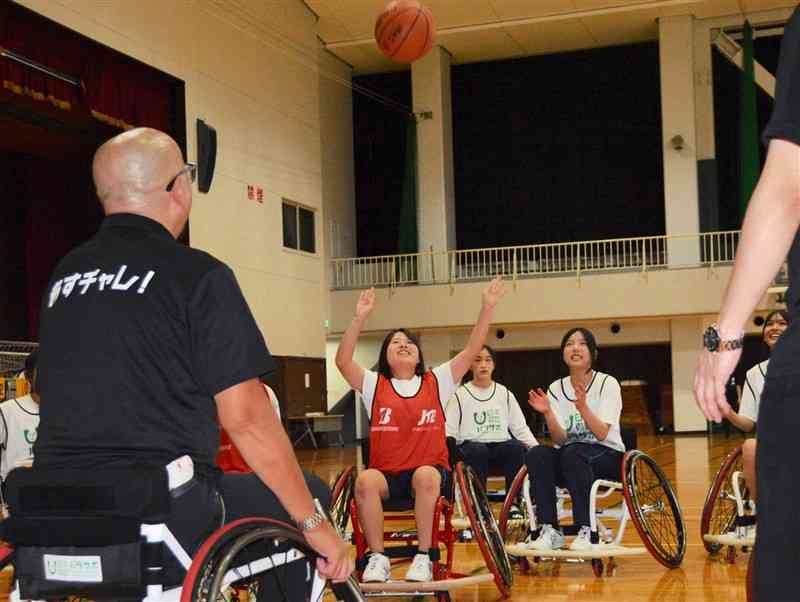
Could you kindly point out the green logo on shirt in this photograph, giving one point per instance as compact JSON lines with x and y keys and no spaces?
{"x":487,"y":421}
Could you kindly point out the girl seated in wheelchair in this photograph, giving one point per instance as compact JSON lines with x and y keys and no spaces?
{"x":745,"y":419}
{"x":582,"y":412}
{"x":408,"y":451}
{"x":485,"y":419}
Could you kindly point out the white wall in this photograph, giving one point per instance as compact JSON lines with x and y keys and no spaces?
{"x":253,"y":72}
{"x":657,"y":294}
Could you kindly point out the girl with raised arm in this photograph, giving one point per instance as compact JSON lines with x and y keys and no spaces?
{"x":408,"y":452}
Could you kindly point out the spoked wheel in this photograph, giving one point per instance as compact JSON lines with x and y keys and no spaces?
{"x":654,"y":508}
{"x":239,"y":555}
{"x":515,"y":530}
{"x":341,"y":494}
{"x":485,"y":528}
{"x":719,"y":509}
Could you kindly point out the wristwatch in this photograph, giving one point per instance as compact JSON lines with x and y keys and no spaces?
{"x":712,"y":340}
{"x":315,"y":520}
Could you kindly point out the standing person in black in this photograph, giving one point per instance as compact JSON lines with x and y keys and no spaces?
{"x":770,"y":231}
{"x":148,"y":345}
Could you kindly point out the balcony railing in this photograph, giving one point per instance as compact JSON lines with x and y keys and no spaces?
{"x":532,"y":261}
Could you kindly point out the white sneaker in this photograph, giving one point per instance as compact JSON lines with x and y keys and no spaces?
{"x":421,"y":569}
{"x":549,"y":539}
{"x":582,"y":541}
{"x":378,"y":569}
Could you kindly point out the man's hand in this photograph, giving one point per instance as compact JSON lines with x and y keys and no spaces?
{"x":334,"y":560}
{"x":713,"y":371}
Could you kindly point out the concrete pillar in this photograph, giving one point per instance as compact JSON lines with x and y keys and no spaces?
{"x":707,"y":181}
{"x":686,"y":336}
{"x":436,"y":215}
{"x":676,"y":57}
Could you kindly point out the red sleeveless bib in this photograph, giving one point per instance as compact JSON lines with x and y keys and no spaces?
{"x":407,"y":432}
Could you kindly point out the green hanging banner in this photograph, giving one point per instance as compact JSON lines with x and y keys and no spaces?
{"x":749,"y":156}
{"x":407,"y":234}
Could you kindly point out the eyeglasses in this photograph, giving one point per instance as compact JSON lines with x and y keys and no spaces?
{"x":190,"y":168}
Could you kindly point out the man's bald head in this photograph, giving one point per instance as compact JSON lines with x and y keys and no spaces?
{"x":131,"y":167}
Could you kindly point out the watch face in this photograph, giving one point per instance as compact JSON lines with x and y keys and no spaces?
{"x":711,"y":339}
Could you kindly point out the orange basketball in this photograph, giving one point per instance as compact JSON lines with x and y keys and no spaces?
{"x":404,"y":31}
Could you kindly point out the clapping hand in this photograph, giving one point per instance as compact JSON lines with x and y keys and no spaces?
{"x":539,"y":401}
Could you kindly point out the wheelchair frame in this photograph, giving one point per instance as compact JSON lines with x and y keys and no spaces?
{"x":725,"y":519}
{"x":629,"y":509}
{"x":445,"y":534}
{"x":253,"y":528}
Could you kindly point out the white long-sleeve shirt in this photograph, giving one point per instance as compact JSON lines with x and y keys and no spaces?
{"x":489,"y":415}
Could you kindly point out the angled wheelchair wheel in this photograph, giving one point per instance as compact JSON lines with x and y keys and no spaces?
{"x":515,"y":530}
{"x":654,"y":508}
{"x":484,"y":527}
{"x":342,"y":492}
{"x":248,"y":555}
{"x":719,"y":509}
{"x":751,"y":567}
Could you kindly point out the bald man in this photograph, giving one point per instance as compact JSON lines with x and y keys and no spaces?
{"x":145,"y":342}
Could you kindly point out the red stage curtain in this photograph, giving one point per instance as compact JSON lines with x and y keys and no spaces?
{"x":118,"y":89}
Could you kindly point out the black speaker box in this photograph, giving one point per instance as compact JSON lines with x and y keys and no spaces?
{"x":206,"y":155}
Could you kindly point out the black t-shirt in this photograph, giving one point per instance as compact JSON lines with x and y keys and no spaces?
{"x":785,"y":125}
{"x":138,"y":333}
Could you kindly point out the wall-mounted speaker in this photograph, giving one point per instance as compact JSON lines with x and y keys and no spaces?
{"x":206,"y":155}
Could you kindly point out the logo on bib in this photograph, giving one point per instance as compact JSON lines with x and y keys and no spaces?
{"x":427,"y":417}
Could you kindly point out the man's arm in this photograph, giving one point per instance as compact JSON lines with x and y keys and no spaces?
{"x":769,"y":228}
{"x":247,"y":416}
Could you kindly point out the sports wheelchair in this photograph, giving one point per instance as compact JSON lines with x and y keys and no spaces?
{"x":103,"y":536}
{"x":445,"y":535}
{"x":728,"y":511}
{"x":647,"y":500}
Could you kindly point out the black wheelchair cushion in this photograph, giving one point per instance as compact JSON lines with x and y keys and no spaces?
{"x":140,"y":493}
{"x":398,"y":504}
{"x":75,"y":531}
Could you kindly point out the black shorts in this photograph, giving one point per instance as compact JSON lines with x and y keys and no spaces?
{"x":400,"y":483}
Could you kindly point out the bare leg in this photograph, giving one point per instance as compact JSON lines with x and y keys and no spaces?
{"x":371,"y":489}
{"x":749,"y":462}
{"x":426,"y":484}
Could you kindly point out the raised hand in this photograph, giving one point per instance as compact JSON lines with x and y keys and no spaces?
{"x":493,"y":292}
{"x":539,"y":401}
{"x":366,"y":302}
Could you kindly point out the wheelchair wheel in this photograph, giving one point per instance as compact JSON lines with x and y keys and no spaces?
{"x":514,"y":530}
{"x":342,"y":492}
{"x":238,"y":554}
{"x":751,"y":567}
{"x":654,"y":508}
{"x":719,"y":509}
{"x":484,"y":527}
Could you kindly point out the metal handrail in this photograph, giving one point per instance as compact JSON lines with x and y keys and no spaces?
{"x":642,"y":254}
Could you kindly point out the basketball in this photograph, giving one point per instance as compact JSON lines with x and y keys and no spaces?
{"x":404,"y":31}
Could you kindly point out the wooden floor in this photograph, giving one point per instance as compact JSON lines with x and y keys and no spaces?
{"x":690,"y":462}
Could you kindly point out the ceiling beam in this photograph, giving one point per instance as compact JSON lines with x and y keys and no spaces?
{"x":563,"y":16}
{"x":731,"y":50}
